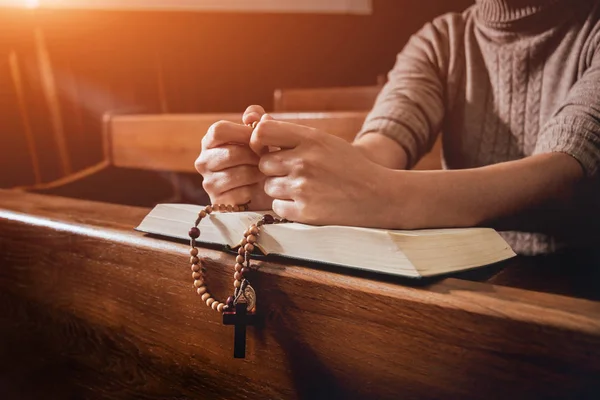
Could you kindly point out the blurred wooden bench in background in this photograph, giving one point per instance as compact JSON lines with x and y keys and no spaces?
{"x":349,"y":98}
{"x":172,"y":142}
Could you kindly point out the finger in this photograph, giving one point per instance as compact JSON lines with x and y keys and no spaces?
{"x":220,"y":182}
{"x":277,"y":163}
{"x":226,"y":156}
{"x":253,"y":114}
{"x":264,"y":149}
{"x":239,"y":195}
{"x":279,"y":188}
{"x":223,"y":132}
{"x":280,"y":134}
{"x":286,"y":209}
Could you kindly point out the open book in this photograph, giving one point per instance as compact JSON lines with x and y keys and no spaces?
{"x":416,"y":253}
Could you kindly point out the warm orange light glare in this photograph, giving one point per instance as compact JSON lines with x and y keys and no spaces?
{"x":32,"y":3}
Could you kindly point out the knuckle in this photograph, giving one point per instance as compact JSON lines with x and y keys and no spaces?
{"x":229,"y":155}
{"x":300,"y":165}
{"x":200,"y":165}
{"x":201,"y":162}
{"x":302,"y":188}
{"x":209,"y":184}
{"x":215,"y":130}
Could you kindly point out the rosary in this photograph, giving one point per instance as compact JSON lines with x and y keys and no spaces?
{"x":240,"y":308}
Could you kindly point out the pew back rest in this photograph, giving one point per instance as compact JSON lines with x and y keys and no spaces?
{"x":351,"y":98}
{"x":171,"y":142}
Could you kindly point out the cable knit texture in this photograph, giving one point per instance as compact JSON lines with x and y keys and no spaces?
{"x":503,"y":80}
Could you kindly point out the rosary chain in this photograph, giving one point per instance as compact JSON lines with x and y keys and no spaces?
{"x":242,"y":261}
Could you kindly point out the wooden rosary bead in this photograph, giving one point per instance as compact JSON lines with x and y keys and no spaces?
{"x":229,"y":208}
{"x":220,"y":307}
{"x":245,"y":271}
{"x":246,"y":233}
{"x":209,"y":301}
{"x":195,"y":268}
{"x":194,"y":260}
{"x":251,"y":239}
{"x":193,"y":252}
{"x":208,"y":209}
{"x":201,"y":290}
{"x":268,"y":218}
{"x":215,"y":305}
{"x":237,"y":284}
{"x":241,"y":251}
{"x":205,"y":296}
{"x":237,"y":276}
{"x":238,"y":267}
{"x":194,"y":232}
{"x":222,"y":208}
{"x":240,"y":259}
{"x":254,"y":230}
{"x":249,"y":247}
{"x":196,"y":275}
{"x":198,"y":283}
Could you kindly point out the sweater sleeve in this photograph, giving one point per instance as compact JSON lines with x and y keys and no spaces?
{"x":574,"y":128}
{"x":410,"y":107}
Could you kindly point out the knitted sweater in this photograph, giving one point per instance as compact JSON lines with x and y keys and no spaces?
{"x":503,"y":80}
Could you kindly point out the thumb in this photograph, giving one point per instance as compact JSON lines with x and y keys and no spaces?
{"x":253,"y":114}
{"x":267,"y":117}
{"x":261,"y":150}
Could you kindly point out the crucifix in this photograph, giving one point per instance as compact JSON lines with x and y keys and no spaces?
{"x":240,"y":319}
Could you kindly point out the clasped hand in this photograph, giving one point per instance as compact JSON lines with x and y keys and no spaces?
{"x":308,"y":176}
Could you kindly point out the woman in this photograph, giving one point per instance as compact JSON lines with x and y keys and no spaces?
{"x":514,"y":85}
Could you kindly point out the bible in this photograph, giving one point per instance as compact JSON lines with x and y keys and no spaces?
{"x":407,"y":253}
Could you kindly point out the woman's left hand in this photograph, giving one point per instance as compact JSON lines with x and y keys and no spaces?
{"x":318,"y":178}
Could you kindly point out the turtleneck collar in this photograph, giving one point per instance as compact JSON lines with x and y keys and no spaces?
{"x":518,"y":15}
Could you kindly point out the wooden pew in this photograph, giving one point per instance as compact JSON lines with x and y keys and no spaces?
{"x":172,"y":142}
{"x":345,"y":98}
{"x":92,"y":309}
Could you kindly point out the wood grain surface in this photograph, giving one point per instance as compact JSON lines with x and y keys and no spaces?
{"x":91,"y":309}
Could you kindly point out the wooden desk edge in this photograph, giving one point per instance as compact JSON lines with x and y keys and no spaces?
{"x":472,"y":297}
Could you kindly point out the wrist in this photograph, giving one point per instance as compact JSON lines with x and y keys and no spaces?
{"x":395,"y":197}
{"x":382,"y":150}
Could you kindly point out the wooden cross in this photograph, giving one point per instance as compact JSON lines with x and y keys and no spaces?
{"x":240,"y":319}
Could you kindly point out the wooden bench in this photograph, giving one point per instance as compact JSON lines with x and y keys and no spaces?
{"x":172,"y":142}
{"x":92,"y":309}
{"x":157,"y":153}
{"x":348,"y":98}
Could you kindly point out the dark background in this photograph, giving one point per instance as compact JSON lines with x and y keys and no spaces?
{"x":179,"y":62}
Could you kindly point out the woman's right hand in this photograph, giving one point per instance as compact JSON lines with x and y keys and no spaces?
{"x":228,"y":165}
